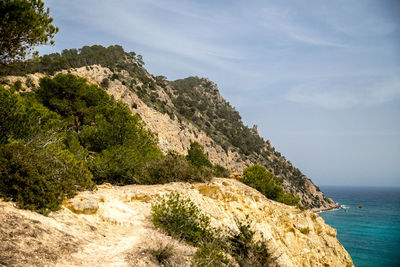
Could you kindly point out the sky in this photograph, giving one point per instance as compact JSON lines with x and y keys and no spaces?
{"x":321,"y":79}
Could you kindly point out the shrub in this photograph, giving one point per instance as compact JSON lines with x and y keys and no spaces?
{"x":173,"y":168}
{"x":220,"y":171}
{"x":105,"y":83}
{"x":197,"y":157}
{"x":163,"y":253}
{"x":210,"y":255}
{"x":18,"y":85}
{"x":182,"y":219}
{"x":40,"y":179}
{"x":35,"y":120}
{"x":73,"y":98}
{"x":116,"y":165}
{"x":258,"y":177}
{"x":9,"y":113}
{"x":245,"y":249}
{"x":116,"y":125}
{"x":114,"y":77}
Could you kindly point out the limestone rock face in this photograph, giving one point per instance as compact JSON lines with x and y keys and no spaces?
{"x":172,"y":134}
{"x":112,"y":227}
{"x":294,"y":237}
{"x":177,"y":134}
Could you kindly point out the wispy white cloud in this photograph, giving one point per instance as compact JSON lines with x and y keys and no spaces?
{"x":282,"y":22}
{"x":330,"y":94}
{"x":338,"y":57}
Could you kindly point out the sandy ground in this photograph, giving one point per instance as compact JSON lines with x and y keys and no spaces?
{"x":68,"y":239}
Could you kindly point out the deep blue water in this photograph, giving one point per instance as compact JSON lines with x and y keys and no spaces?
{"x":371,"y":234}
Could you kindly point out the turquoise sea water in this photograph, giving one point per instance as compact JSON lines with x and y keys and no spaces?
{"x":371,"y":234}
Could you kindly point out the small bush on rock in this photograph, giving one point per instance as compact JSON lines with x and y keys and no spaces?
{"x":197,"y":157}
{"x":258,"y":177}
{"x":163,"y":253}
{"x":182,"y":219}
{"x":173,"y":168}
{"x":245,"y":249}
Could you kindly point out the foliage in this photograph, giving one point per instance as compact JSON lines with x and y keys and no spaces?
{"x":220,"y":171}
{"x":72,"y":97}
{"x":163,"y":253}
{"x":18,"y":85}
{"x":115,"y":125}
{"x":244,"y":249}
{"x":35,"y":121}
{"x":182,"y":219}
{"x":173,"y":168}
{"x":116,"y":165}
{"x":40,"y":179}
{"x":9,"y":112}
{"x":25,"y":118}
{"x":210,"y":255}
{"x":218,"y":119}
{"x":23,"y":24}
{"x":259,"y":178}
{"x":197,"y":157}
{"x":105,"y":83}
{"x":72,"y":58}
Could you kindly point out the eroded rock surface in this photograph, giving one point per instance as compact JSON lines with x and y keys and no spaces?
{"x":176,"y":134}
{"x":118,"y":230}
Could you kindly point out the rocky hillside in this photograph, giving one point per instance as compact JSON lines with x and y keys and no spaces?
{"x":180,"y":112}
{"x":112,"y":227}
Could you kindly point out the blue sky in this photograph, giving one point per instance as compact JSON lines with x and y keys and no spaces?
{"x":321,"y":79}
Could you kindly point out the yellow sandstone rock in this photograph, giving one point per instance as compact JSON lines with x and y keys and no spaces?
{"x":294,"y":237}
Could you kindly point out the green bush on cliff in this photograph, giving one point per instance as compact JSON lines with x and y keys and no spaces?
{"x":258,"y":177}
{"x":181,"y":218}
{"x":220,"y":171}
{"x":40,"y":179}
{"x":117,"y":141}
{"x":245,"y":249}
{"x":197,"y":157}
{"x":173,"y":168}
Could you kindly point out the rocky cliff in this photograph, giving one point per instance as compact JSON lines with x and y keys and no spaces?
{"x":112,"y":227}
{"x":180,"y":112}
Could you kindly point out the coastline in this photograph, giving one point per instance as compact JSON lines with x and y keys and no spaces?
{"x":335,"y":207}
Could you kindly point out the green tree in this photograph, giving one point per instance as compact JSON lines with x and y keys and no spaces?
{"x":115,"y":125}
{"x":116,"y":165}
{"x":258,"y":177}
{"x":40,"y":179}
{"x":9,"y":113}
{"x":73,"y":98}
{"x":23,"y":25}
{"x":197,"y":157}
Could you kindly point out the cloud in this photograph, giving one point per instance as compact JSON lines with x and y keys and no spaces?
{"x":284,"y":22}
{"x":331,"y":94}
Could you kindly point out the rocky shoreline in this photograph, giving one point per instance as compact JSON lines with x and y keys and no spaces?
{"x":335,"y":207}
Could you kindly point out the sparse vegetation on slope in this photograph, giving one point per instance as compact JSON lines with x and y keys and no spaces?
{"x":191,"y":101}
{"x":67,"y":134}
{"x":182,"y":219}
{"x":258,"y":177}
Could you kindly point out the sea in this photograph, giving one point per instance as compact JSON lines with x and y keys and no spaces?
{"x":368,"y":226}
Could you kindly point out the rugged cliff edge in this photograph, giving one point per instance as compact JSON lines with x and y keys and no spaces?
{"x":180,"y":112}
{"x":112,"y":227}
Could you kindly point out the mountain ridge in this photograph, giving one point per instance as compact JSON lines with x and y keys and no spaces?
{"x":180,"y":111}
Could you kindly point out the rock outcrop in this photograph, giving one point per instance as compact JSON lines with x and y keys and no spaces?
{"x":112,"y":227}
{"x":176,"y":132}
